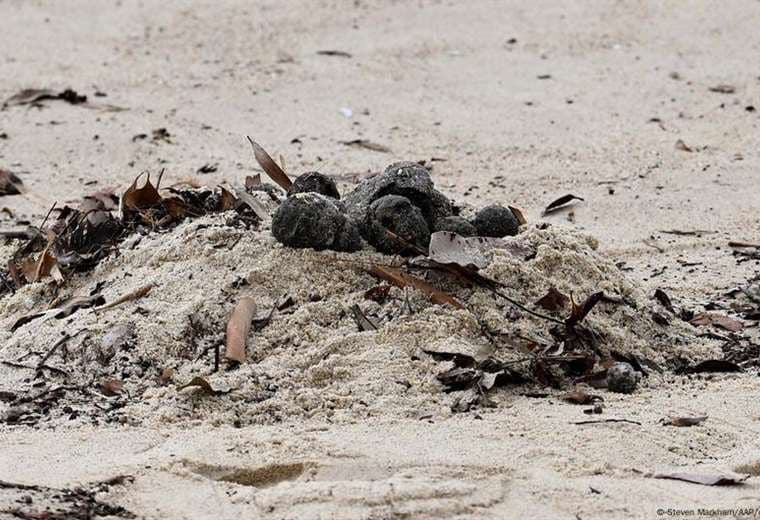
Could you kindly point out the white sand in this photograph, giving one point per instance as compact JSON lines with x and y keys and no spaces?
{"x":437,"y":80}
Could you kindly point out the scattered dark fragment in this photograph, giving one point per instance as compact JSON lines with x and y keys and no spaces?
{"x":553,"y":300}
{"x":362,"y":321}
{"x":32,"y":96}
{"x":560,"y":203}
{"x":687,"y":233}
{"x":704,"y":480}
{"x":458,"y":378}
{"x":683,"y":421}
{"x":723,"y":89}
{"x":662,"y":297}
{"x":378,"y":293}
{"x":315,"y":182}
{"x":496,"y":221}
{"x":682,"y":146}
{"x":714,"y":365}
{"x":369,"y":145}
{"x":339,"y":54}
{"x":208,"y":168}
{"x":455,"y":224}
{"x":10,"y":184}
{"x":161,"y":134}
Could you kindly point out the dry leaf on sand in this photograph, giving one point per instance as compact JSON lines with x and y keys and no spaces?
{"x":401,"y":279}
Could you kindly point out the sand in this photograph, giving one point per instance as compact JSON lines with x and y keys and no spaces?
{"x":428,"y":80}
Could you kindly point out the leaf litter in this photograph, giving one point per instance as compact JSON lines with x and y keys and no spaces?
{"x":453,"y":332}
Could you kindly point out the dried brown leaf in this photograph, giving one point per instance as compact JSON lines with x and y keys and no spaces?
{"x":238,"y":327}
{"x":167,"y":374}
{"x":141,"y":198}
{"x":269,"y":166}
{"x":378,"y":293}
{"x":111,"y":387}
{"x":580,"y":397}
{"x":684,"y":421}
{"x":717,"y":320}
{"x":517,"y":212}
{"x":560,"y":203}
{"x":553,"y":300}
{"x":401,"y":279}
{"x":201,"y":383}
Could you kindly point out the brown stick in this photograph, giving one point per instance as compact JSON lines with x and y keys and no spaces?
{"x":237,"y":329}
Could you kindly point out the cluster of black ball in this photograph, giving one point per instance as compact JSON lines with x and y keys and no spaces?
{"x":402,"y":200}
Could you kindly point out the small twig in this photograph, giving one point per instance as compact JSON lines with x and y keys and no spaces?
{"x":472,"y":276}
{"x":47,"y":216}
{"x":743,"y":244}
{"x":598,"y":421}
{"x":53,"y":349}
{"x":132,"y":295}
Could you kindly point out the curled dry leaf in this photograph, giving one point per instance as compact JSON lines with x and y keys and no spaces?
{"x":580,"y":397}
{"x":449,"y":248}
{"x":141,"y":198}
{"x":704,"y":480}
{"x":553,"y":300}
{"x":269,"y":166}
{"x":560,"y":203}
{"x":683,"y":421}
{"x":199,"y":382}
{"x":717,"y":320}
{"x":35,"y":270}
{"x":517,"y":212}
{"x":237,"y":329}
{"x":401,"y":279}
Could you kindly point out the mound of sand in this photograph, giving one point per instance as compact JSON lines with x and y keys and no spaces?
{"x":310,"y":359}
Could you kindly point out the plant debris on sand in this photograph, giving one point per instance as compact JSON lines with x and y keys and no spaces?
{"x":122,"y":309}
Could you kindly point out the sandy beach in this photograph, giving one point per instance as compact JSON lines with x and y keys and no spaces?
{"x":647,"y":110}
